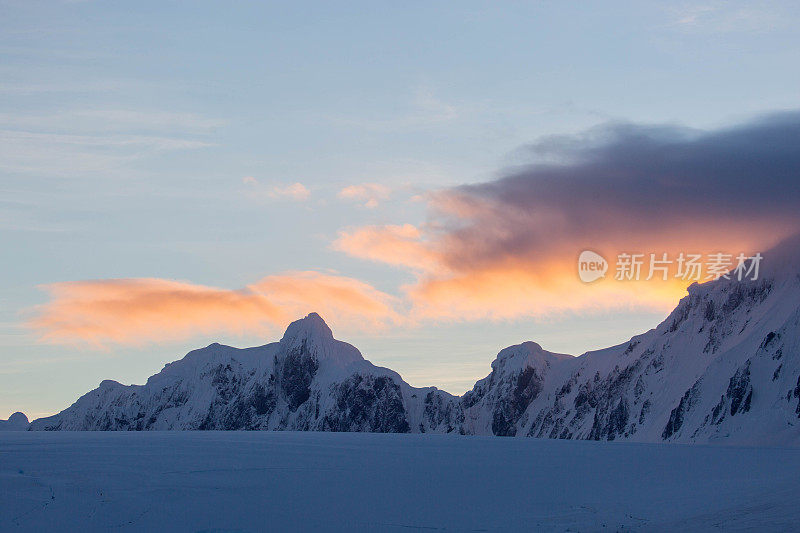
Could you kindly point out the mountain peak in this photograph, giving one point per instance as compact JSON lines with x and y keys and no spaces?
{"x":18,"y":418}
{"x":16,"y":422}
{"x":313,"y":335}
{"x":528,"y":353}
{"x":310,"y":327}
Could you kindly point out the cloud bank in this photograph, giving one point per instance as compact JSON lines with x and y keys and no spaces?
{"x":508,"y":247}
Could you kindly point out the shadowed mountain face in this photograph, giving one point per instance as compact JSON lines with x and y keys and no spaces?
{"x":724,"y":366}
{"x":16,"y":422}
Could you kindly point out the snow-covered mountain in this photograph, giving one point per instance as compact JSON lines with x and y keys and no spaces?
{"x":724,"y":366}
{"x":16,"y":422}
{"x":308,"y":381}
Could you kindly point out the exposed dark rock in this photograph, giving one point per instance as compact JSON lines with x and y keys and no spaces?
{"x":295,"y":374}
{"x":797,"y":395}
{"x":718,"y":413}
{"x":740,"y":392}
{"x":367,"y":403}
{"x":442,"y":413}
{"x":676,"y":416}
{"x":710,"y":313}
{"x":645,"y":409}
{"x":508,"y":411}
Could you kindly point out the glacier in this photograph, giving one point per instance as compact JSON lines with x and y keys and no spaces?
{"x":314,"y":481}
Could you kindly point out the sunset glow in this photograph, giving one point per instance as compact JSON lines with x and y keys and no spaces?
{"x":423,"y":178}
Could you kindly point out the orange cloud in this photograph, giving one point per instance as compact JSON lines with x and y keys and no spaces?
{"x":295,"y":191}
{"x":346,"y":303}
{"x":458,"y":280}
{"x":539,"y":291}
{"x":473,"y":263}
{"x":138,"y":311}
{"x":369,"y":193}
{"x":395,"y":245}
{"x":508,"y":248}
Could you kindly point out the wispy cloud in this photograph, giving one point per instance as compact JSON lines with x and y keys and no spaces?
{"x":145,"y":310}
{"x":370,"y":194}
{"x":85,"y":142}
{"x":728,"y":17}
{"x":433,"y":107}
{"x":420,"y":109}
{"x":296,"y":192}
{"x":98,"y":86}
{"x":66,"y":155}
{"x":398,"y":245}
{"x":114,"y":120}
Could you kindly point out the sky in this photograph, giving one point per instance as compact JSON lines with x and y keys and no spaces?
{"x":423,"y":175}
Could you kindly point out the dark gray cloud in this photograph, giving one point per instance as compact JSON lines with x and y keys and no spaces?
{"x":627,"y":183}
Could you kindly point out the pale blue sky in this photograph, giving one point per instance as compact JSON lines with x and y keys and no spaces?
{"x":127,"y":129}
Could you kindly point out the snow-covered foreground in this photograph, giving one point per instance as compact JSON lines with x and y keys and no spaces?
{"x":256,"y":481}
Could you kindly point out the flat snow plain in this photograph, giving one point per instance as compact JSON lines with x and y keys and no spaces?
{"x":261,"y":481}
